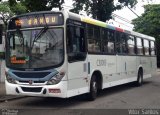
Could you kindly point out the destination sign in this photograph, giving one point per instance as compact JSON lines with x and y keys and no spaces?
{"x":37,"y":20}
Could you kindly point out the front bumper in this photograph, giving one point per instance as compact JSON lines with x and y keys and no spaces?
{"x":58,"y":90}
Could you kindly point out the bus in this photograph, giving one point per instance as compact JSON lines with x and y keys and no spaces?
{"x":62,"y":54}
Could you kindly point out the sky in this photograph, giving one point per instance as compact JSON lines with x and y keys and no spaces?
{"x":129,"y":15}
{"x":126,"y":13}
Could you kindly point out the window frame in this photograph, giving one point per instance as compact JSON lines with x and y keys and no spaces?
{"x":97,"y":40}
{"x":122,"y":42}
{"x":106,"y":38}
{"x":134,"y":45}
{"x":75,"y":23}
{"x":146,"y":47}
{"x":151,"y":48}
{"x":137,"y":45}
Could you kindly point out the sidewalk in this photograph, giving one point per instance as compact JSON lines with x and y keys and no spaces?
{"x":4,"y":97}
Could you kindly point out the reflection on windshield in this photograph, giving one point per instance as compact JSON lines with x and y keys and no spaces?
{"x":30,"y":49}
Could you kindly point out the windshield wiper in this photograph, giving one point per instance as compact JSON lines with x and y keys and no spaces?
{"x":21,"y":38}
{"x":42,"y":31}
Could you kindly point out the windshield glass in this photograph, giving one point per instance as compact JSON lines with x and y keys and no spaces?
{"x":38,"y":48}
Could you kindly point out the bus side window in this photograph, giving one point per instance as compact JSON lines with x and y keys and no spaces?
{"x":152,"y":48}
{"x":94,"y":39}
{"x":118,"y":42}
{"x":70,"y":36}
{"x":121,"y":43}
{"x":139,"y":46}
{"x":111,"y":41}
{"x":131,"y":45}
{"x":146,"y":47}
{"x":124,"y":43}
{"x":76,"y":47}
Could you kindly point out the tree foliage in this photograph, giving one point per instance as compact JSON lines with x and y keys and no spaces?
{"x":18,"y":8}
{"x":149,"y":23}
{"x":100,"y":9}
{"x":5,"y":12}
{"x":39,"y":5}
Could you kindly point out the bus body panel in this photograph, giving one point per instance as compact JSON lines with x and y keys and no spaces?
{"x":77,"y":78}
{"x":153,"y":64}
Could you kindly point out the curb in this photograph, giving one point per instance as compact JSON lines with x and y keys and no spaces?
{"x":9,"y":98}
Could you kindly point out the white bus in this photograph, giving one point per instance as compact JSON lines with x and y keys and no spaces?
{"x":62,"y":54}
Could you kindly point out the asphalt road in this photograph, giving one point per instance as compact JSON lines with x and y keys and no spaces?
{"x":112,"y":99}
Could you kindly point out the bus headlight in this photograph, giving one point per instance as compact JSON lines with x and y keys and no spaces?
{"x":10,"y":80}
{"x":56,"y":79}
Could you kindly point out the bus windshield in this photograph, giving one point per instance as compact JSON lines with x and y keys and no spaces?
{"x":35,"y":48}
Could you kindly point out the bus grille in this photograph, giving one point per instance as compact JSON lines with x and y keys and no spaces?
{"x":27,"y":89}
{"x":33,"y":82}
{"x":31,"y":75}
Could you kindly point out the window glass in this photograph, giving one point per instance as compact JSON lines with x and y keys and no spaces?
{"x":139,"y":46}
{"x":118,"y":42}
{"x":124,"y":43}
{"x":30,"y":49}
{"x":90,"y":32}
{"x":76,"y":43}
{"x":131,"y":45}
{"x":96,"y":33}
{"x":94,"y":39}
{"x":111,"y":41}
{"x":146,"y":47}
{"x":94,"y":45}
{"x":121,"y":42}
{"x":108,"y":41}
{"x":152,"y":48}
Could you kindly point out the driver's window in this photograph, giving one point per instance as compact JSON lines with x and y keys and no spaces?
{"x":76,"y":47}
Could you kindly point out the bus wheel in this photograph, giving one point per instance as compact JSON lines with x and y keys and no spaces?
{"x":93,"y":89}
{"x":139,"y":81}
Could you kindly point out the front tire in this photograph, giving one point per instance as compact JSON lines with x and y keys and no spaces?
{"x":93,"y":89}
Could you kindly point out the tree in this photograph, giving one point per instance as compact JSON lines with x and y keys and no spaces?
{"x":149,"y":23}
{"x":100,"y":9}
{"x":41,"y":5}
{"x":5,"y":12}
{"x":18,"y":9}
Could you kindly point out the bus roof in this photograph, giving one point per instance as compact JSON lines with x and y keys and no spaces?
{"x":105,"y":25}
